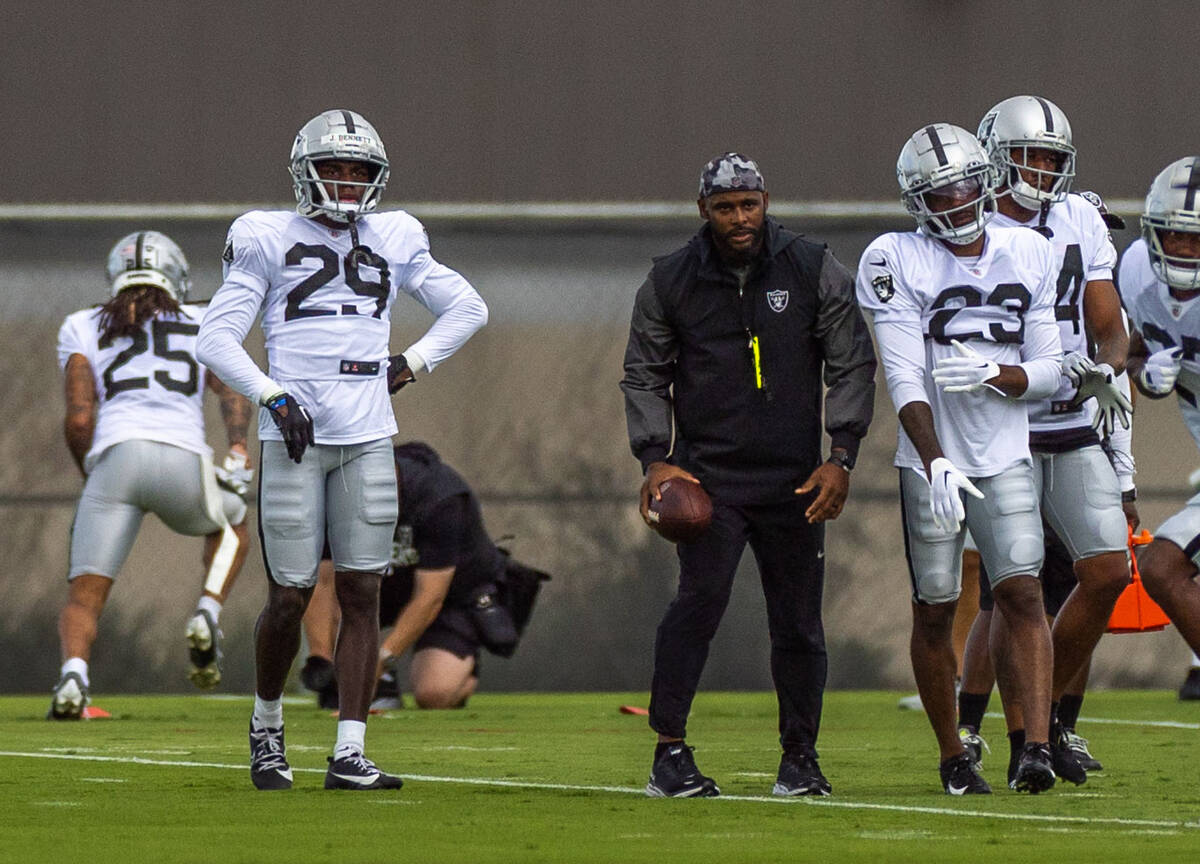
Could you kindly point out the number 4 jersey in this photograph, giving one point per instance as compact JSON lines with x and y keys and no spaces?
{"x":326,"y":315}
{"x":1001,"y":305}
{"x":148,"y":387}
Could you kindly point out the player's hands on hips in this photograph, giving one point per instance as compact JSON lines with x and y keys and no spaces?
{"x":834,"y":483}
{"x":1111,"y":404}
{"x":967,"y":372}
{"x":1161,"y":369}
{"x":1076,"y":365}
{"x":946,"y":485}
{"x":235,"y":473}
{"x":398,"y":373}
{"x":657,"y":474}
{"x":294,"y":423}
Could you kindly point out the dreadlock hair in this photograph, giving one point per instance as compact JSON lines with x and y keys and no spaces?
{"x":125,"y":313}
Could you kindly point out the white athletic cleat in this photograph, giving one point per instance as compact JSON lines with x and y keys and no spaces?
{"x":204,"y":650}
{"x":70,"y":698}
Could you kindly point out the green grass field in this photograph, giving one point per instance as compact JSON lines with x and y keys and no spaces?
{"x":559,"y":777}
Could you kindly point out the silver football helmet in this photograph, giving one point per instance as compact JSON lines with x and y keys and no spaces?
{"x":1021,"y":123}
{"x":1173,"y":204}
{"x":149,"y":258}
{"x":336,"y":134}
{"x":947,"y":160}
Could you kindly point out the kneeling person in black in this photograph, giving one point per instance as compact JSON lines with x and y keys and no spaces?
{"x":440,"y":598}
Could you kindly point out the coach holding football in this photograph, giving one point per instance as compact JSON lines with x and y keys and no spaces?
{"x":731,"y":338}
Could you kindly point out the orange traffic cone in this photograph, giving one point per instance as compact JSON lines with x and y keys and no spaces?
{"x":1135,"y":612}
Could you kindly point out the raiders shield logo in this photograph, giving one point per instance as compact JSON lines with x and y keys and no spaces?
{"x":883,"y":287}
{"x":777,"y":300}
{"x":227,"y":255}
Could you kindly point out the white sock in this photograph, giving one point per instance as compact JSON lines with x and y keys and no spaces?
{"x":351,"y":735}
{"x":79,"y":666}
{"x":268,"y":713}
{"x":211,"y":605}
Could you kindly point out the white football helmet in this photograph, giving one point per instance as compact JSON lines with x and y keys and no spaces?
{"x":336,"y":134}
{"x":947,"y":159}
{"x":1020,"y":123}
{"x":149,"y":258}
{"x":1173,"y":204}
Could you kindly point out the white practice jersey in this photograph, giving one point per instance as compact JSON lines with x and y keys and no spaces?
{"x":1164,"y":322}
{"x":149,"y":387}
{"x":922,"y":296}
{"x":1083,"y":252}
{"x":326,"y":317}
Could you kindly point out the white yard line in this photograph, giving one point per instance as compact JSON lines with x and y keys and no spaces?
{"x":633,"y":790}
{"x":1162,"y":724}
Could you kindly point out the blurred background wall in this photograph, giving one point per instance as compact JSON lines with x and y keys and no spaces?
{"x":173,"y":103}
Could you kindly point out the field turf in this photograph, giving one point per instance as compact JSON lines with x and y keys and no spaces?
{"x":559,"y":777}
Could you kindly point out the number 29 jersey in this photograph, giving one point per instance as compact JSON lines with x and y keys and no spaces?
{"x":922,"y":296}
{"x":325,"y":312}
{"x":148,"y":387}
{"x":1164,"y":322}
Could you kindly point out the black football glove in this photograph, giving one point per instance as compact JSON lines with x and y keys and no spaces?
{"x":398,"y":373}
{"x":294,"y":424}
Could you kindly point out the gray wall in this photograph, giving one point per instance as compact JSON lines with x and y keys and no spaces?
{"x":543,"y":100}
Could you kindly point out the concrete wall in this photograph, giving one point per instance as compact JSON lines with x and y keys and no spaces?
{"x":542,"y":100}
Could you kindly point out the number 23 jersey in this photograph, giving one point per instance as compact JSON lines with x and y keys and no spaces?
{"x":148,"y":387}
{"x":326,"y":313}
{"x":922,"y":296}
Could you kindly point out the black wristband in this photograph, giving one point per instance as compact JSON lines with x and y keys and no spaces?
{"x":842,"y":459}
{"x":1129,"y":497}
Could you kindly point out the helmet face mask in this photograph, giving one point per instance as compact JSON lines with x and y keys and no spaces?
{"x":149,"y":258}
{"x":947,"y":183}
{"x":1173,"y":205}
{"x":343,"y":136}
{"x":1014,"y":128}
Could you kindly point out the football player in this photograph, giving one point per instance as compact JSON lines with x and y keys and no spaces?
{"x":1029,"y":140}
{"x":964,"y":319}
{"x":135,"y":427}
{"x":324,"y":278}
{"x":1160,"y":284}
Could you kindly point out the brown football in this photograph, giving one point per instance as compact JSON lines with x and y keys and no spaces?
{"x":684,"y":512}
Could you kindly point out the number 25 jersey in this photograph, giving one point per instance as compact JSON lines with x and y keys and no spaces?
{"x":922,"y":296}
{"x":326,"y":314}
{"x":148,"y":386}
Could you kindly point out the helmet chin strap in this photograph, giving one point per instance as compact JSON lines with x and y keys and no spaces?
{"x":358,"y":254}
{"x":1044,"y":213}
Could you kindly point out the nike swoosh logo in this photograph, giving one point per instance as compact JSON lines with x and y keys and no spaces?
{"x":358,"y":778}
{"x":956,"y":790}
{"x":821,"y":554}
{"x":882,"y":262}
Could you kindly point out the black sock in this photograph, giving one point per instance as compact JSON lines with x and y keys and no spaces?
{"x":971,"y":708}
{"x":1016,"y":743}
{"x":1068,"y":709}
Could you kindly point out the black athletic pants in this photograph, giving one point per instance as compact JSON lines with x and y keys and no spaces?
{"x":790,"y":556}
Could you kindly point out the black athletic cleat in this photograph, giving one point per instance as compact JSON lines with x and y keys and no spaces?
{"x":1035,"y":770}
{"x":69,"y":699}
{"x":1079,"y":746}
{"x":675,"y":775}
{"x":961,"y":777}
{"x":800,"y":775}
{"x":1065,"y":760}
{"x":269,"y":768}
{"x":974,"y":744}
{"x":358,"y":772}
{"x":204,"y":650}
{"x":318,"y":675}
{"x":387,"y":693}
{"x":1189,"y":691}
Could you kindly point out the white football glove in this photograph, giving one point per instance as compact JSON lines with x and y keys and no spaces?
{"x":235,"y":474}
{"x":1076,"y":365}
{"x":1161,"y":369}
{"x":1111,"y":404}
{"x":946,"y":483}
{"x":965,"y":373}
